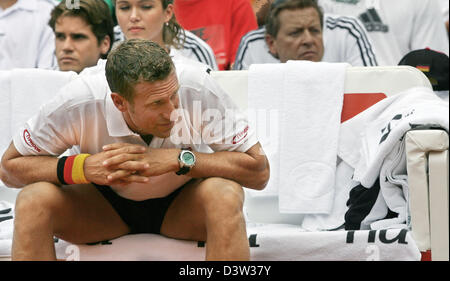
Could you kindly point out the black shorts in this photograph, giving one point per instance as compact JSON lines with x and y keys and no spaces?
{"x":141,"y":216}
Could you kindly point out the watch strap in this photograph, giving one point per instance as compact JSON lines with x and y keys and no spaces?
{"x":183,"y":171}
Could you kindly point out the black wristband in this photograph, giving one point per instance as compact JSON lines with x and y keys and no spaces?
{"x":60,"y":169}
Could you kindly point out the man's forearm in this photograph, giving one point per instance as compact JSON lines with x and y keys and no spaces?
{"x":251,"y":171}
{"x":30,"y":169}
{"x":19,"y":170}
{"x":250,"y":168}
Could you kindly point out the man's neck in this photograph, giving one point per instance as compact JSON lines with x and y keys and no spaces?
{"x":5,"y":4}
{"x":147,"y":138}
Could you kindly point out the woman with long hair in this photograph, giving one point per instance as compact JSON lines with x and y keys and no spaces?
{"x":155,"y":20}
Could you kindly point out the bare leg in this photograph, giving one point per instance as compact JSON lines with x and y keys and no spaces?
{"x":77,"y":214}
{"x":210,"y":210}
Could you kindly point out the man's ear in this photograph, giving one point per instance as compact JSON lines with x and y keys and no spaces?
{"x":105,"y":44}
{"x":119,"y":101}
{"x":270,"y":41}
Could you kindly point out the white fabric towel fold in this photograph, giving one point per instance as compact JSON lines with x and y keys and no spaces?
{"x":394,"y":188}
{"x":336,"y":218}
{"x":265,"y":87}
{"x":310,"y":120}
{"x":369,"y":137}
{"x":297,"y":245}
{"x":374,"y":145}
{"x":31,"y":88}
{"x":6,"y":222}
{"x":268,"y":242}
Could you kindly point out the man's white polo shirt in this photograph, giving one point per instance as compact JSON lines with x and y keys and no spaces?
{"x":26,"y":39}
{"x":83,"y":115}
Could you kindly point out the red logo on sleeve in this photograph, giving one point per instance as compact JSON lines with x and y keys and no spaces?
{"x":29,"y":141}
{"x":240,"y":136}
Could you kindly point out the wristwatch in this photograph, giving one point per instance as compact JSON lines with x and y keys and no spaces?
{"x":187,"y":161}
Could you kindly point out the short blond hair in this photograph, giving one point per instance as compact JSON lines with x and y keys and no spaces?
{"x":134,"y":61}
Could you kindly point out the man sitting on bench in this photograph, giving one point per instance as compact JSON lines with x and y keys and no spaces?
{"x":159,"y":152}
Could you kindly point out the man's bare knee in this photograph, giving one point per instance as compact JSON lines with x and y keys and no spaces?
{"x":40,"y":193}
{"x":222,"y":195}
{"x":36,"y":203}
{"x":225,"y":223}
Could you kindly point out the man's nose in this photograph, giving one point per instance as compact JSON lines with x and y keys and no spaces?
{"x":170,"y":107}
{"x":307,"y":38}
{"x":67,"y":44}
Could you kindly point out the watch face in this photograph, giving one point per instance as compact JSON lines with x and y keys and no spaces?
{"x":188,"y":158}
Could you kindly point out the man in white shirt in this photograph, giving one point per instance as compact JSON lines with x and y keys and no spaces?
{"x":193,"y":47}
{"x":396,"y":27}
{"x":332,"y":38}
{"x":164,"y":151}
{"x":26,"y":41}
{"x":83,"y":35}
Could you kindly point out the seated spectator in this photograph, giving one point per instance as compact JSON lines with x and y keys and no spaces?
{"x":221,"y":24}
{"x":82,"y":35}
{"x":396,"y":27}
{"x":26,"y":41}
{"x":261,"y":9}
{"x":297,"y":30}
{"x":434,"y":65}
{"x":155,"y":20}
